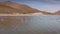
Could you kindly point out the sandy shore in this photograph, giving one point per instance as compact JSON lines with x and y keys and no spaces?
{"x":19,"y":15}
{"x":26,"y":15}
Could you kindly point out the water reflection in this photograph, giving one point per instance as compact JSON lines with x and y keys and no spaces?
{"x":30,"y":24}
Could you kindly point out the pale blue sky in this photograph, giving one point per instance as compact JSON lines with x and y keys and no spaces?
{"x":45,"y":5}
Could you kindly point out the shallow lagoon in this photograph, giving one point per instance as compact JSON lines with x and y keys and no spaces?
{"x":30,"y":24}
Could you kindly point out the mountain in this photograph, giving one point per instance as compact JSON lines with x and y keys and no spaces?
{"x":12,"y":8}
{"x":57,"y":12}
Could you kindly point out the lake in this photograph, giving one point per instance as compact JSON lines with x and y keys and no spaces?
{"x":29,"y":24}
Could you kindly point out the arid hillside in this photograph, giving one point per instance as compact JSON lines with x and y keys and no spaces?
{"x":57,"y":12}
{"x":12,"y":8}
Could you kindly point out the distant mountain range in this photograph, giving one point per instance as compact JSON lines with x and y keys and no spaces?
{"x":12,"y":8}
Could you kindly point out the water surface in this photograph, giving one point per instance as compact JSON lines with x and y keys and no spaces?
{"x":30,"y":24}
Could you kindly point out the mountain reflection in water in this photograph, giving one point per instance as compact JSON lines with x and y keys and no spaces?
{"x":30,"y":24}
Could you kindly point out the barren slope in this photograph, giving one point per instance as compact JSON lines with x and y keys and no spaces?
{"x":12,"y":7}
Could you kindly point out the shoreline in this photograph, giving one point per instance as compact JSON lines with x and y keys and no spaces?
{"x":26,"y":15}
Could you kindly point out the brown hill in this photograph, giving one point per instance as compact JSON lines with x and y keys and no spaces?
{"x":12,"y":7}
{"x":57,"y":12}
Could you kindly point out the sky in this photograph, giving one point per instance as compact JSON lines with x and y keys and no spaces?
{"x":44,"y":5}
